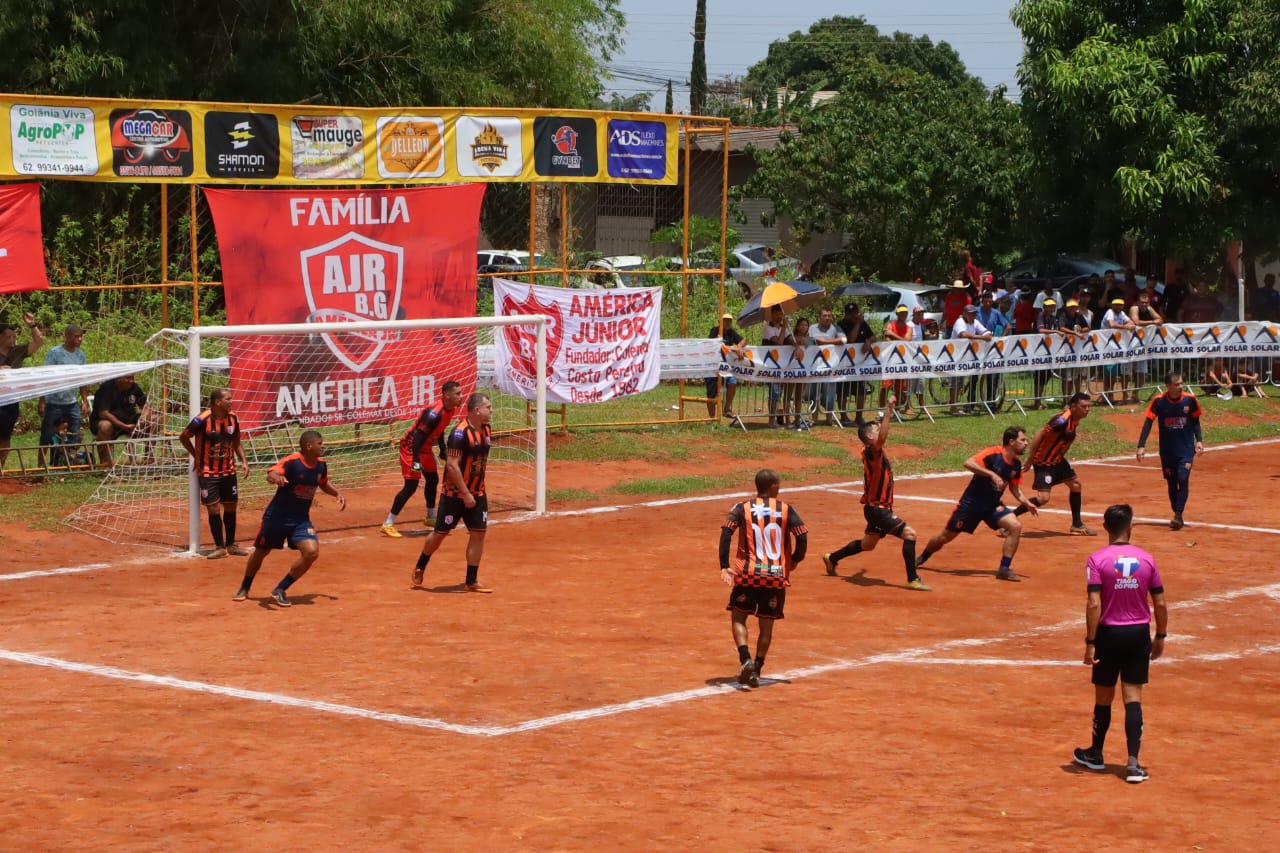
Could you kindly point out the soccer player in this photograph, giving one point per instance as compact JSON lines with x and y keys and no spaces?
{"x":1117,"y":635}
{"x":1048,"y":457}
{"x":287,"y":519}
{"x":771,"y":542}
{"x":463,"y":497}
{"x":993,"y":469}
{"x":426,"y":434}
{"x":1178,"y":414}
{"x":877,"y":502}
{"x":213,"y":440}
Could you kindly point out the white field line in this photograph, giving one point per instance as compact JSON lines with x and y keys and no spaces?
{"x":919,"y":655}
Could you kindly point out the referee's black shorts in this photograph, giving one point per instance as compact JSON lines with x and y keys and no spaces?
{"x":1124,"y":652}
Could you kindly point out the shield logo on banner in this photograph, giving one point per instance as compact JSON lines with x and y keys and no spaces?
{"x":522,"y":341}
{"x":350,"y":279}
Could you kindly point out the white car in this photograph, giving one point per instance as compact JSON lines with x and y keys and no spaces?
{"x":751,"y":264}
{"x":910,"y":294}
{"x":501,"y":258}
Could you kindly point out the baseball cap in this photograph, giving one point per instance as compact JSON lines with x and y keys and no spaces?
{"x":902,"y":309}
{"x":971,"y":307}
{"x":1117,"y":301}
{"x":919,"y":308}
{"x":1049,"y":302}
{"x":726,"y":316}
{"x":1071,"y":303}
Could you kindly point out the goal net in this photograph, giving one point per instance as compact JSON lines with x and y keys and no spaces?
{"x":361,"y":384}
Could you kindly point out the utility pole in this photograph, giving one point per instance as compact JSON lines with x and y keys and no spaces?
{"x":698,"y":74}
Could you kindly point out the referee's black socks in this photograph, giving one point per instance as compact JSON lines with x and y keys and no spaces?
{"x":1101,"y":722}
{"x":1133,"y":729}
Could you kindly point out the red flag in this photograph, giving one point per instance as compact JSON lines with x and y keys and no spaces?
{"x":327,"y":255}
{"x":21,"y":240}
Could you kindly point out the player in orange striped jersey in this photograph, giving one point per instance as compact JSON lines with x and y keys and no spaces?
{"x":463,"y":497}
{"x":771,"y":542}
{"x":1048,"y":457}
{"x":877,"y":502}
{"x":213,"y":440}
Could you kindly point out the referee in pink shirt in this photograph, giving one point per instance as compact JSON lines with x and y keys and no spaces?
{"x":1117,"y":639}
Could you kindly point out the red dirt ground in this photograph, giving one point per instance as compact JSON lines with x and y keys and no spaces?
{"x":965,"y":745}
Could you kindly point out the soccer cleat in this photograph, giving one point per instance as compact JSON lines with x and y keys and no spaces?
{"x":1082,"y":530}
{"x":280,"y":597}
{"x":475,"y":587}
{"x":1135,"y":774}
{"x":217,"y":553}
{"x":237,"y":551}
{"x":417,"y":576}
{"x":241,"y":594}
{"x":1091,"y":758}
{"x":829,"y":563}
{"x":390,"y":530}
{"x":1175,"y":523}
{"x":918,"y":584}
{"x":431,"y":519}
{"x":754,"y":680}
{"x":748,"y":673}
{"x":1008,"y":575}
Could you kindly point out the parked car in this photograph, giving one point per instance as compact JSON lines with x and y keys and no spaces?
{"x":927,"y":296}
{"x":750,"y":264}
{"x":1060,"y":271}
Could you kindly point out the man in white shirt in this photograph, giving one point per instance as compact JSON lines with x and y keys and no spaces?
{"x":827,"y":333}
{"x":967,"y":328}
{"x":1116,"y":376}
{"x":777,"y":333}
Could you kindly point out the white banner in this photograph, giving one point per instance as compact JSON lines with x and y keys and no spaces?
{"x":897,"y":359}
{"x":601,"y":344}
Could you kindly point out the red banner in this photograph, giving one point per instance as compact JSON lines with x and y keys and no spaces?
{"x":340,"y":256}
{"x":21,"y":240}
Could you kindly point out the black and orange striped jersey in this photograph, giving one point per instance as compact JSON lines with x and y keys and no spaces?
{"x":468,"y":446}
{"x":767,"y":533}
{"x":429,"y":428}
{"x":877,"y":487}
{"x":215,"y":440}
{"x":981,"y":492}
{"x":1057,"y":439}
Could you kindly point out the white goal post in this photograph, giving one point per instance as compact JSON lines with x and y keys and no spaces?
{"x":361,"y":384}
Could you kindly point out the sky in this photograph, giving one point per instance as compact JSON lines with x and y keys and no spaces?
{"x":659,"y":36}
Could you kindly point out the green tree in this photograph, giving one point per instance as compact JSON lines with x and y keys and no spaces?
{"x":1152,"y":121}
{"x":698,"y":73}
{"x":902,"y":164}
{"x":519,"y":53}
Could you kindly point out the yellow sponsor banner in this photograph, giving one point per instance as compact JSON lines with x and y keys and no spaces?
{"x":212,"y":143}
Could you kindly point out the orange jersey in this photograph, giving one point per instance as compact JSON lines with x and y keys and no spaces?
{"x":1057,"y":440}
{"x":468,"y":446}
{"x":216,"y":440}
{"x":877,"y":489}
{"x":766,"y":532}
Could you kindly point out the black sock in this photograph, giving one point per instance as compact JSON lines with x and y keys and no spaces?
{"x":247,"y":582}
{"x":229,"y":522}
{"x":1006,"y":564}
{"x":1133,"y":729}
{"x":286,"y":582}
{"x":1074,"y":499}
{"x":926,"y":555}
{"x":1173,"y":494}
{"x":854,"y":547}
{"x":1022,"y":510}
{"x":744,"y":654}
{"x":759,"y":664}
{"x":1101,"y":722}
{"x":472,"y":573}
{"x":215,"y":526}
{"x":423,"y":559}
{"x":909,"y":558}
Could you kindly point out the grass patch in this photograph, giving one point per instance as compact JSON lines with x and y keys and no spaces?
{"x":672,"y":486}
{"x":44,"y":506}
{"x":554,"y":495}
